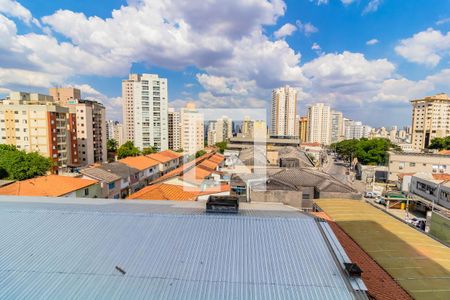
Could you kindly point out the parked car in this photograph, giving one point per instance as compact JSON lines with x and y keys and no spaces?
{"x":372,"y":194}
{"x":380,"y":200}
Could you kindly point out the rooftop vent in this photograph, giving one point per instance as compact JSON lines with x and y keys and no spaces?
{"x":222,"y":204}
{"x":353,"y":269}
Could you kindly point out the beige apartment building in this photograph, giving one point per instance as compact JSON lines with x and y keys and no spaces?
{"x":430,"y":119}
{"x":303,"y":129}
{"x":192,"y":129}
{"x":319,"y":124}
{"x":411,"y":163}
{"x":34,"y":122}
{"x":90,"y":121}
{"x":283,"y":111}
{"x":253,"y":128}
{"x":174,"y":129}
{"x":114,"y":131}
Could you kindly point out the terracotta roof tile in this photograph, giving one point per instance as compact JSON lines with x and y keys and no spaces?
{"x":51,"y":186}
{"x":445,"y":177}
{"x":209,"y":164}
{"x":217,"y":158}
{"x":139,"y":162}
{"x":444,"y":152}
{"x":160,"y":157}
{"x":162,"y":191}
{"x":171,"y":154}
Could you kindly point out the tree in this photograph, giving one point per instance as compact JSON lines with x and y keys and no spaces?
{"x":19,"y":165}
{"x":440,"y":143}
{"x":127,"y":149}
{"x":149,"y":150}
{"x":180,"y":150}
{"x":222,"y":146}
{"x":111,"y":145}
{"x":200,"y":153}
{"x":368,"y":152}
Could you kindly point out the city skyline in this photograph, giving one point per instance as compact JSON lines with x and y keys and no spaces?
{"x":368,"y":66}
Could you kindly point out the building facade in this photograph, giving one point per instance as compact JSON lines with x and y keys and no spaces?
{"x":319,"y":124}
{"x":303,"y":129}
{"x":174,"y":129}
{"x":34,"y":122}
{"x":192,"y":129}
{"x":337,"y":126}
{"x":430,"y":119}
{"x":114,"y":131}
{"x":145,"y":111}
{"x":404,"y":163}
{"x":90,"y":124}
{"x":283,"y":112}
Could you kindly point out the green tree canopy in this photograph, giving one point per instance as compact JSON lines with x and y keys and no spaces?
{"x":222,"y":146}
{"x":111,"y":145}
{"x":368,"y":152}
{"x":149,"y":150}
{"x":200,"y":153}
{"x":440,"y":143}
{"x":19,"y":165}
{"x":127,"y":149}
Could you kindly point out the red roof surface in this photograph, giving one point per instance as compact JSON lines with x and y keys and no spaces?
{"x":171,"y":154}
{"x":164,"y":191}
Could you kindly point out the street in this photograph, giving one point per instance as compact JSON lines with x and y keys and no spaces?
{"x":337,"y":169}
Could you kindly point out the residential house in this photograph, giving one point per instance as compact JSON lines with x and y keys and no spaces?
{"x":168,"y":160}
{"x":434,"y":188}
{"x":110,"y":183}
{"x":129,"y":182}
{"x":149,"y":168}
{"x":54,"y":186}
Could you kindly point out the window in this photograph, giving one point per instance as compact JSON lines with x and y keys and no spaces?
{"x":86,"y":192}
{"x":401,"y":165}
{"x":112,"y":185}
{"x":412,"y":164}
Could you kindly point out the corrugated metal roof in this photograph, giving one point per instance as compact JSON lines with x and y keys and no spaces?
{"x":56,"y":251}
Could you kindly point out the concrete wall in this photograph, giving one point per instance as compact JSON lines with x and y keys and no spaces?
{"x":440,"y":227}
{"x":416,"y":163}
{"x":293,"y":198}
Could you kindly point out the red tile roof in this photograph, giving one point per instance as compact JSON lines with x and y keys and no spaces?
{"x":444,"y":177}
{"x":444,"y":152}
{"x":379,"y":283}
{"x":139,"y":162}
{"x":171,"y":154}
{"x":48,"y":186}
{"x":164,"y":191}
{"x":217,"y":158}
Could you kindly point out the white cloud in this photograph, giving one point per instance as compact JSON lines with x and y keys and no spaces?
{"x":426,"y":47}
{"x":316,"y":47}
{"x":442,"y":21}
{"x":372,"y":6}
{"x":372,"y":42}
{"x":319,"y":2}
{"x":14,"y":9}
{"x":306,"y":28}
{"x":26,"y":78}
{"x":347,"y":2}
{"x":285,"y":30}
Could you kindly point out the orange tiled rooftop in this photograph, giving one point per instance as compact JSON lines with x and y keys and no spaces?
{"x":52,"y":186}
{"x":139,"y":162}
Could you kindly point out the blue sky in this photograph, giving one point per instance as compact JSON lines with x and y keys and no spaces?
{"x":367,"y":58}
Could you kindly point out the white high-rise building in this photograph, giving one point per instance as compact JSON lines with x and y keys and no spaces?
{"x":174,"y":123}
{"x":192,"y":129}
{"x":283,"y":111}
{"x":319,"y":124}
{"x":114,"y":131}
{"x":145,"y":109}
{"x":337,"y":126}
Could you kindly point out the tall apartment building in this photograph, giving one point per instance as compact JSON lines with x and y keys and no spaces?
{"x":114,"y":131}
{"x":319,"y":124}
{"x":192,"y":129}
{"x":253,"y":128}
{"x":283,"y":111}
{"x":303,"y":129}
{"x":145,"y":110}
{"x":174,"y":129}
{"x":91,"y":124}
{"x":430,"y":119}
{"x":34,"y":122}
{"x":220,"y":130}
{"x":356,"y":130}
{"x":64,"y":95}
{"x":337,"y":126}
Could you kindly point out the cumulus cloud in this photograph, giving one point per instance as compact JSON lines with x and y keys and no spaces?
{"x":306,"y":28}
{"x":285,"y":30}
{"x":442,"y":21}
{"x":426,"y":47}
{"x":372,"y":42}
{"x":14,"y":9}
